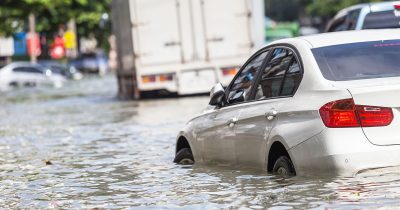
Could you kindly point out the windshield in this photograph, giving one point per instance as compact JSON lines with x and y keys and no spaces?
{"x":356,"y":61}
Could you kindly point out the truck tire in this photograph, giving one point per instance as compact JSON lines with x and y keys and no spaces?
{"x":184,"y":157}
{"x":283,"y":167}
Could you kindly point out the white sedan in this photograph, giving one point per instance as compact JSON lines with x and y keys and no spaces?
{"x":27,"y":74}
{"x":321,"y":104}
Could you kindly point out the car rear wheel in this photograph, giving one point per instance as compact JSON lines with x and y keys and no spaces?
{"x":184,"y":157}
{"x":283,"y":167}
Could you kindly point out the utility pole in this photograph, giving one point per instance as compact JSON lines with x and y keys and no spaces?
{"x":32,"y":35}
{"x":122,"y":30}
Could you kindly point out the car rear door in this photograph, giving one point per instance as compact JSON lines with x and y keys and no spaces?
{"x":156,"y":31}
{"x":234,"y":38}
{"x":27,"y":75}
{"x":218,"y":132}
{"x":276,"y":85}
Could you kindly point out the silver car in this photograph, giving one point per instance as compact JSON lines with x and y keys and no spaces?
{"x":321,"y":104}
{"x":27,"y":74}
{"x":375,"y":15}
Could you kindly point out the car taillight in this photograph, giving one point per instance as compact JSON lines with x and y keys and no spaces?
{"x":345,"y":113}
{"x":397,"y":6}
{"x":371,"y":116}
{"x":230,"y":71}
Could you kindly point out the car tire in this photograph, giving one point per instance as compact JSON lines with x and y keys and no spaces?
{"x":283,"y":167}
{"x":184,"y":157}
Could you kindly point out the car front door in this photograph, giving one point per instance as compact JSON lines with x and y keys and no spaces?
{"x":218,"y":130}
{"x":28,"y":75}
{"x":275,"y":85}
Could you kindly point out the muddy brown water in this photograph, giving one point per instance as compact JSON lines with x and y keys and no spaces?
{"x":79,"y":147}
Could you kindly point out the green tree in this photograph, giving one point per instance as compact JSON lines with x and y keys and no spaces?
{"x":51,"y":14}
{"x":283,"y":10}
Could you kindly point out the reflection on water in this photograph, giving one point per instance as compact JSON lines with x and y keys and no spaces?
{"x":107,"y":153}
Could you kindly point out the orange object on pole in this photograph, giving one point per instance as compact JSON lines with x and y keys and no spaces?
{"x":57,"y":50}
{"x":33,"y":43}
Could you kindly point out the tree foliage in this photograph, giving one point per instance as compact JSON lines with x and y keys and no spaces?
{"x":282,"y":10}
{"x":50,"y":14}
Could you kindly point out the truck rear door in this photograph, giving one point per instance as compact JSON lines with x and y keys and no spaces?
{"x":156,"y":31}
{"x":226,"y":26}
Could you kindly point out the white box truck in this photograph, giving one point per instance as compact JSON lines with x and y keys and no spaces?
{"x":186,"y":46}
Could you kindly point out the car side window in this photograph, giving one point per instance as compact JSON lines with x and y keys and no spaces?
{"x":292,"y":79}
{"x":338,"y":24}
{"x":280,"y":77}
{"x":27,"y":70}
{"x":352,"y":18}
{"x":240,"y":88}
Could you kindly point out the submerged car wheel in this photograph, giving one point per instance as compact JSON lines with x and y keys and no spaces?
{"x":283,"y":167}
{"x":184,"y":157}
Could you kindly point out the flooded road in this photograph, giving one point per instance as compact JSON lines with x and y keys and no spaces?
{"x":79,"y":147}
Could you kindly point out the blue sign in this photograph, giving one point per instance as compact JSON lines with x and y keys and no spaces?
{"x":20,"y":47}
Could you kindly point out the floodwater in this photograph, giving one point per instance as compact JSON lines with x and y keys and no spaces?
{"x":79,"y":147}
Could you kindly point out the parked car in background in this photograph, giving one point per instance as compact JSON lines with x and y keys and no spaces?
{"x":66,"y":70}
{"x":320,"y":104}
{"x":367,"y":16}
{"x":95,"y":62}
{"x":27,"y":74}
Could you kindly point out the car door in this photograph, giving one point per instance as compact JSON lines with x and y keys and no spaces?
{"x":275,"y":85}
{"x":29,"y":75}
{"x":217,"y":133}
{"x":22,"y":75}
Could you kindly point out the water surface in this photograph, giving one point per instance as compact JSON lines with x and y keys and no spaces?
{"x":105,"y":153}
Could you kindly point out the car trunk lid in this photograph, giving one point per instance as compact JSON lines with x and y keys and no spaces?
{"x":380,"y":96}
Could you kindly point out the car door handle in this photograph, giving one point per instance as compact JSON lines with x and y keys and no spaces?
{"x":232,"y":122}
{"x":271,"y":114}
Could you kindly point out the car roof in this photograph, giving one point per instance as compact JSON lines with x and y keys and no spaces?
{"x":383,"y":6}
{"x":344,"y":37}
{"x":373,"y":6}
{"x":344,"y":11}
{"x":24,"y":64}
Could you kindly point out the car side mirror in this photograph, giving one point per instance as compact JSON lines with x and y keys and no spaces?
{"x":217,"y":94}
{"x":238,"y":97}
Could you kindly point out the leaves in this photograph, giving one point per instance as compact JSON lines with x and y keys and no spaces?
{"x":50,"y":14}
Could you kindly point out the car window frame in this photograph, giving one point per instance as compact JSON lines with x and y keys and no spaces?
{"x":253,"y":90}
{"x":350,"y":16}
{"x":300,"y":62}
{"x":338,"y":21}
{"x":255,"y":55}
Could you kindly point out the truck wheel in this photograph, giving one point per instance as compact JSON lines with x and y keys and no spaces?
{"x":283,"y":167}
{"x":184,"y":157}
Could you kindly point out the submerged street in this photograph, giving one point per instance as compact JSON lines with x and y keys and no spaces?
{"x":81,"y":147}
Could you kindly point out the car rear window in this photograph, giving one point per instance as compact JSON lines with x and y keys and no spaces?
{"x":378,"y":20}
{"x":357,"y":61}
